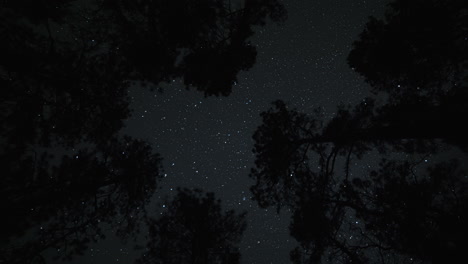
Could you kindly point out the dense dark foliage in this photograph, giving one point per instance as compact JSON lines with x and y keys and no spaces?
{"x":61,"y":202}
{"x":193,"y":229}
{"x":402,"y":210}
{"x":65,"y":71}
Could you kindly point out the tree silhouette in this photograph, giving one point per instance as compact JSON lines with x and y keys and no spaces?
{"x":406,"y":217}
{"x":135,"y":40}
{"x":66,"y":69}
{"x":417,"y":60}
{"x":61,"y":205}
{"x":287,"y":144}
{"x":419,"y":214}
{"x":418,"y":56}
{"x":193,"y":229}
{"x":418,"y":48}
{"x":402,"y":212}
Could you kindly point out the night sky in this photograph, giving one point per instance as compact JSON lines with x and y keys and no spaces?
{"x":219,"y":131}
{"x":207,"y":143}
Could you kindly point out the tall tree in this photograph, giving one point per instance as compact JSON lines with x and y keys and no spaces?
{"x":60,"y":203}
{"x":65,"y":72}
{"x":194,"y":229}
{"x":417,"y":59}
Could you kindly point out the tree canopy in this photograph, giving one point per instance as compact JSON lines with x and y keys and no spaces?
{"x":66,"y":70}
{"x":402,"y":210}
{"x":61,"y":202}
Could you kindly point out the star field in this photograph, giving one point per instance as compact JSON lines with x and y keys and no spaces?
{"x":207,"y":142}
